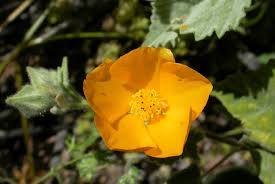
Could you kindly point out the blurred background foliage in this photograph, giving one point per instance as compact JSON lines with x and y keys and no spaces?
{"x":52,"y":138}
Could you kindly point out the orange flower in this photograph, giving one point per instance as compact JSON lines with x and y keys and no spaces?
{"x":145,"y":102}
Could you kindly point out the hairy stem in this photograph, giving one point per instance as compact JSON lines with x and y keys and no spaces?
{"x":53,"y":172}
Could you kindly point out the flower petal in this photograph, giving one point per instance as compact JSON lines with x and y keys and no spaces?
{"x":107,"y":97}
{"x":170,"y":133}
{"x":138,"y":67}
{"x":129,"y":135}
{"x":186,"y":92}
{"x":186,"y":85}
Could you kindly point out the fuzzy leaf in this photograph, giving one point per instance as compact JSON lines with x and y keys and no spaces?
{"x":264,"y":58}
{"x":43,"y":79}
{"x":215,"y":15}
{"x":30,"y":101}
{"x":267,"y":168}
{"x":87,"y":168}
{"x":49,"y":80}
{"x":256,"y":114}
{"x":132,"y":176}
{"x":201,"y":17}
{"x":164,"y":15}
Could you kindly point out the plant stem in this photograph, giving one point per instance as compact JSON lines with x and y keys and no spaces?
{"x":28,"y":143}
{"x":250,"y":144}
{"x":252,"y":22}
{"x":220,"y":162}
{"x":23,"y":6}
{"x":80,"y":35}
{"x":22,"y":45}
{"x":25,"y":129}
{"x":29,"y":34}
{"x":25,"y":125}
{"x":233,"y":132}
{"x":7,"y":180}
{"x":254,"y":6}
{"x":11,"y":56}
{"x":57,"y":168}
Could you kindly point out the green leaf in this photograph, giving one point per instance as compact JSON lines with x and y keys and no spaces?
{"x":267,"y":168}
{"x":215,"y":16}
{"x":256,"y":157}
{"x":201,"y":17}
{"x":190,"y":175}
{"x":164,"y":38}
{"x":50,"y":80}
{"x":30,"y":101}
{"x":65,"y":72}
{"x":44,"y":80}
{"x":132,"y":176}
{"x":87,"y":168}
{"x":256,"y":114}
{"x":164,"y":20}
{"x":85,"y":134}
{"x":264,"y":58}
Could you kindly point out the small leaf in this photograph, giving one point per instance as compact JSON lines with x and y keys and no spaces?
{"x":44,"y":80}
{"x":132,"y":176}
{"x":87,"y":168}
{"x":85,"y":134}
{"x":30,"y":101}
{"x":41,"y":76}
{"x":65,"y":72}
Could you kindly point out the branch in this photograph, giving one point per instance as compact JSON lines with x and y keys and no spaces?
{"x":247,"y":144}
{"x":220,"y":162}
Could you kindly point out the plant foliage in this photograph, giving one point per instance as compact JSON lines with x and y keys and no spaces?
{"x":172,"y":18}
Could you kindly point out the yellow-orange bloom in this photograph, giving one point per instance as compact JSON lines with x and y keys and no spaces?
{"x":145,"y":102}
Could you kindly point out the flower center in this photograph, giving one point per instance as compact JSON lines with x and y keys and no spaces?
{"x":147,"y":104}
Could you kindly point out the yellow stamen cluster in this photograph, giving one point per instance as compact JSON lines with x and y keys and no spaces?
{"x":147,"y":104}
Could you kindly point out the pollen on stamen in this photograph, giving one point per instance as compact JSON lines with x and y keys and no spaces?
{"x":147,"y":104}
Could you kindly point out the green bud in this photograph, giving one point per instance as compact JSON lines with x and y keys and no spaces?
{"x":49,"y":90}
{"x":30,"y":101}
